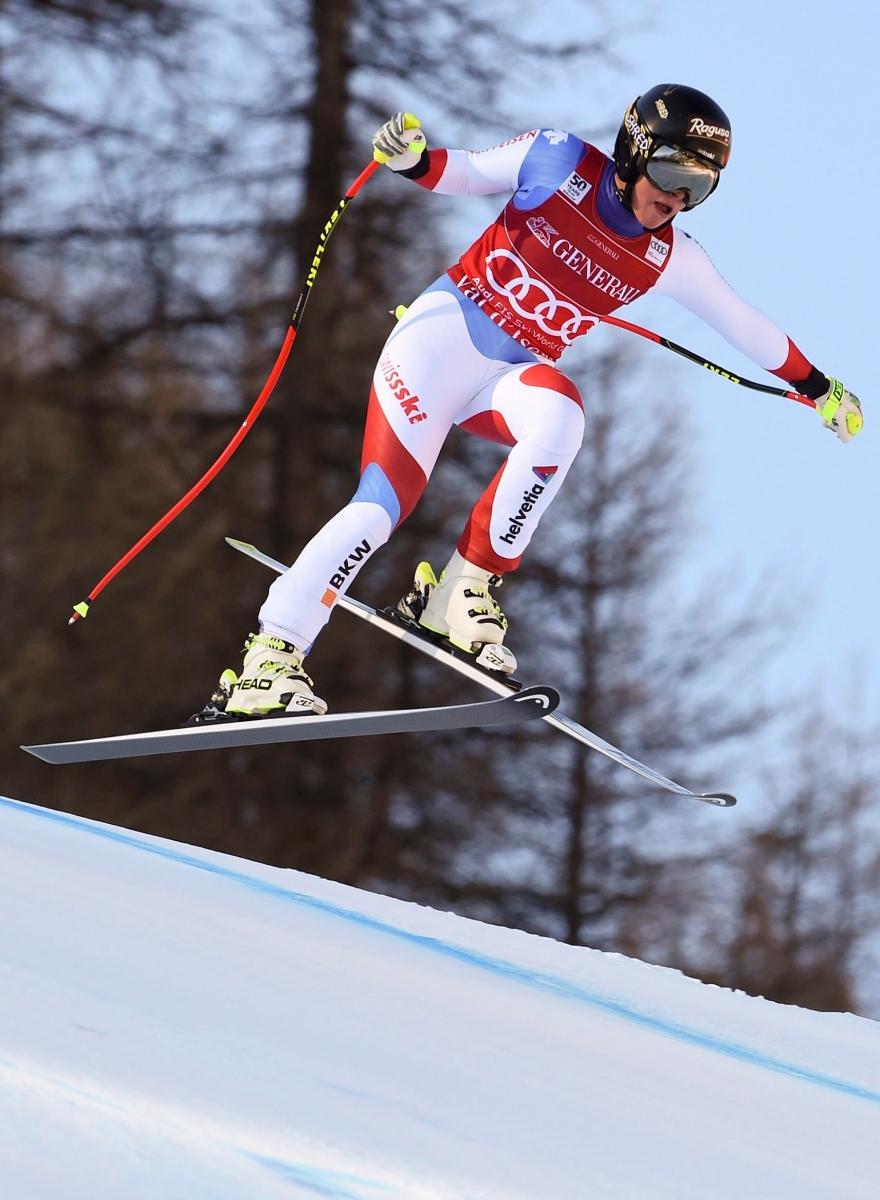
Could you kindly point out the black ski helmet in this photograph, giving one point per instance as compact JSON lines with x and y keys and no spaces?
{"x":672,"y":128}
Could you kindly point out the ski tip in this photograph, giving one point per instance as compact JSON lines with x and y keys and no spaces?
{"x":236,"y":544}
{"x":35,"y":750}
{"x":721,"y":799}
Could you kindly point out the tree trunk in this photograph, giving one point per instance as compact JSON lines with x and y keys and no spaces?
{"x":304,"y":392}
{"x":574,"y":856}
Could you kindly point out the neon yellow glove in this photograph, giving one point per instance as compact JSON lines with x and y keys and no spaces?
{"x":400,"y":142}
{"x":840,"y":410}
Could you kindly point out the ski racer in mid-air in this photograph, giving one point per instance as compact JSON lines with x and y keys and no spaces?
{"x":582,"y":235}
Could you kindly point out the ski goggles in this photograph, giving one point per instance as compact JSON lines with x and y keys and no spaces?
{"x":674,"y":170}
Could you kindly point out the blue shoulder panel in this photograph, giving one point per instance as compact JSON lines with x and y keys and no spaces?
{"x":551,"y":158}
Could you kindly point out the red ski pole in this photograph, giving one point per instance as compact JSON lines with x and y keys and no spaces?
{"x":704,"y":362}
{"x":81,"y":610}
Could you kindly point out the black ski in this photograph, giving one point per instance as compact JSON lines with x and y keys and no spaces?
{"x":524,"y":706}
{"x":502,"y":685}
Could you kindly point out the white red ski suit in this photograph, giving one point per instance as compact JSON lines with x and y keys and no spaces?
{"x":477,"y":350}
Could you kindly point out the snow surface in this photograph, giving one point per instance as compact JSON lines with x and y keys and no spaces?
{"x":176,"y":1023}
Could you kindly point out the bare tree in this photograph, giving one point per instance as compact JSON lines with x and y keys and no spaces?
{"x":789,"y":908}
{"x":166,"y":173}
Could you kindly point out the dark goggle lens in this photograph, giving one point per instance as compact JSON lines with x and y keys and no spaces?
{"x":672,"y":170}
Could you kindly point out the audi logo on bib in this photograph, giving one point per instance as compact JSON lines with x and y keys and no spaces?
{"x":533,"y":299}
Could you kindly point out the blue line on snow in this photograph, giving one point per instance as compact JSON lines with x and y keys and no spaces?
{"x":333,"y":1184}
{"x":537,"y":979}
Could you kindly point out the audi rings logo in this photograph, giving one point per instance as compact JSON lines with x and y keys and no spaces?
{"x":533,"y":299}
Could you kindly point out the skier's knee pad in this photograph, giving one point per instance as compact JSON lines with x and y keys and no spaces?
{"x":558,"y":427}
{"x":552,"y":407}
{"x":564,"y":430}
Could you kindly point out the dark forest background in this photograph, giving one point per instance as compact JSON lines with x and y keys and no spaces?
{"x":165,"y":171}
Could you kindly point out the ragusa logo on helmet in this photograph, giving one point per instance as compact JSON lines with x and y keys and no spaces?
{"x":639,"y":136}
{"x":717,"y":133}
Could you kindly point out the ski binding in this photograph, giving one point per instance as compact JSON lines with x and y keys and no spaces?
{"x":439,"y":648}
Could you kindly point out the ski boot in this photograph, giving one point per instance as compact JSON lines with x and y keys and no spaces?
{"x":272,"y":684}
{"x":459,"y":608}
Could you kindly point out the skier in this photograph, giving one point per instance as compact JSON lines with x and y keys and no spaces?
{"x":582,"y":235}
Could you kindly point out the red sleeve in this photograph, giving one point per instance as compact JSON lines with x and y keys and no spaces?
{"x":436,"y":167}
{"x":796,"y":368}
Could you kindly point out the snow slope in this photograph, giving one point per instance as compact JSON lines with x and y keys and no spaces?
{"x":181,"y":1025}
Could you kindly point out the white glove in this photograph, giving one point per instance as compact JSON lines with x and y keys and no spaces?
{"x":840,"y":410}
{"x":400,"y":142}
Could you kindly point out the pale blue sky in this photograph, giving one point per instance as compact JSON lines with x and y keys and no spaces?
{"x":793,"y":227}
